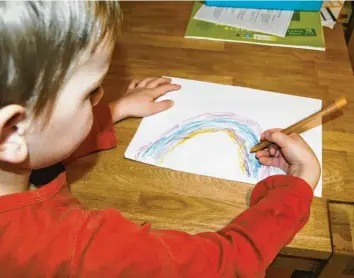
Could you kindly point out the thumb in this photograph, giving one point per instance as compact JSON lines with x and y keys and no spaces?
{"x":277,"y":137}
{"x":157,"y":107}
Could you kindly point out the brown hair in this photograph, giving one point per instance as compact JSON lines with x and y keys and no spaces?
{"x":40,"y":41}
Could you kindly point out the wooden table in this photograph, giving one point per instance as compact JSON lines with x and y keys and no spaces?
{"x":152,"y":44}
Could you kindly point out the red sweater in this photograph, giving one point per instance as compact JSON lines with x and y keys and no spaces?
{"x":49,"y":233}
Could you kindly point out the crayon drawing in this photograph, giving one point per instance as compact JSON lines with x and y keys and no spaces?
{"x":245,"y":133}
{"x":211,"y":128}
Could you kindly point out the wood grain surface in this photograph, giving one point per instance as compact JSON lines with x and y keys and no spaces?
{"x":341,"y":263}
{"x":152,"y":44}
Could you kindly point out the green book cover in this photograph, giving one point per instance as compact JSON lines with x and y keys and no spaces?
{"x":305,"y":31}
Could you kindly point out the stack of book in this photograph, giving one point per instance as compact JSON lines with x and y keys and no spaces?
{"x":302,"y":29}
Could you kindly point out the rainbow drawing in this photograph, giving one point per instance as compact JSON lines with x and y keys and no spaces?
{"x":245,"y":133}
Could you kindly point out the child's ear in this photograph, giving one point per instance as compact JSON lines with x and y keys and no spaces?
{"x":13,"y":145}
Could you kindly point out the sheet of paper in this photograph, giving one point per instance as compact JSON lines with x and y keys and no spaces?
{"x":273,"y":22}
{"x":211,"y":128}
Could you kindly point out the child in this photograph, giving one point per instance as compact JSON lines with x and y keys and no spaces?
{"x":54,"y":55}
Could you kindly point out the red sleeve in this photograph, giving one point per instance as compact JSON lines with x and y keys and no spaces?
{"x":101,"y":136}
{"x":110,"y":245}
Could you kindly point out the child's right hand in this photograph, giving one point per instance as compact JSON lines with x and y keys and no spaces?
{"x":291,"y":154}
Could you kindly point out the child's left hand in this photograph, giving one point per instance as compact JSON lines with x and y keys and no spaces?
{"x":139,"y":99}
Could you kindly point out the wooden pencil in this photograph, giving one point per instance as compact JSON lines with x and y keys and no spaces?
{"x":297,"y":127}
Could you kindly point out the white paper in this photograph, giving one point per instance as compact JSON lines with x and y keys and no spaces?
{"x":275,"y":22}
{"x":211,"y":128}
{"x":264,"y":37}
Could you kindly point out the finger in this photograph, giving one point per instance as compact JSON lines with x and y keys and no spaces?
{"x":296,"y":137}
{"x":158,"y":81}
{"x":144,"y":82}
{"x":163,"y":89}
{"x":269,"y":131}
{"x":277,"y":153}
{"x":272,"y":149}
{"x":267,"y":161}
{"x":278,"y":138}
{"x":133,"y":84}
{"x":157,"y":107}
{"x":262,"y":153}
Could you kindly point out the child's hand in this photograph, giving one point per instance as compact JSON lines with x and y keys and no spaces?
{"x":292,"y":154}
{"x":139,"y":99}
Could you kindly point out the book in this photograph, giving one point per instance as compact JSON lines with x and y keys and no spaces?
{"x":305,"y":31}
{"x":287,"y":5}
{"x":273,"y":22}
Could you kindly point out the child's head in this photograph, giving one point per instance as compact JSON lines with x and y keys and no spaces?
{"x":53,"y":57}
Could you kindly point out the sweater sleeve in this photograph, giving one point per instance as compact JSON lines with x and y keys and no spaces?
{"x":109,"y":245}
{"x":101,"y":136}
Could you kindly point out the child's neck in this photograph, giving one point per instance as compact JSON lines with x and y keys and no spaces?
{"x":13,"y":180}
